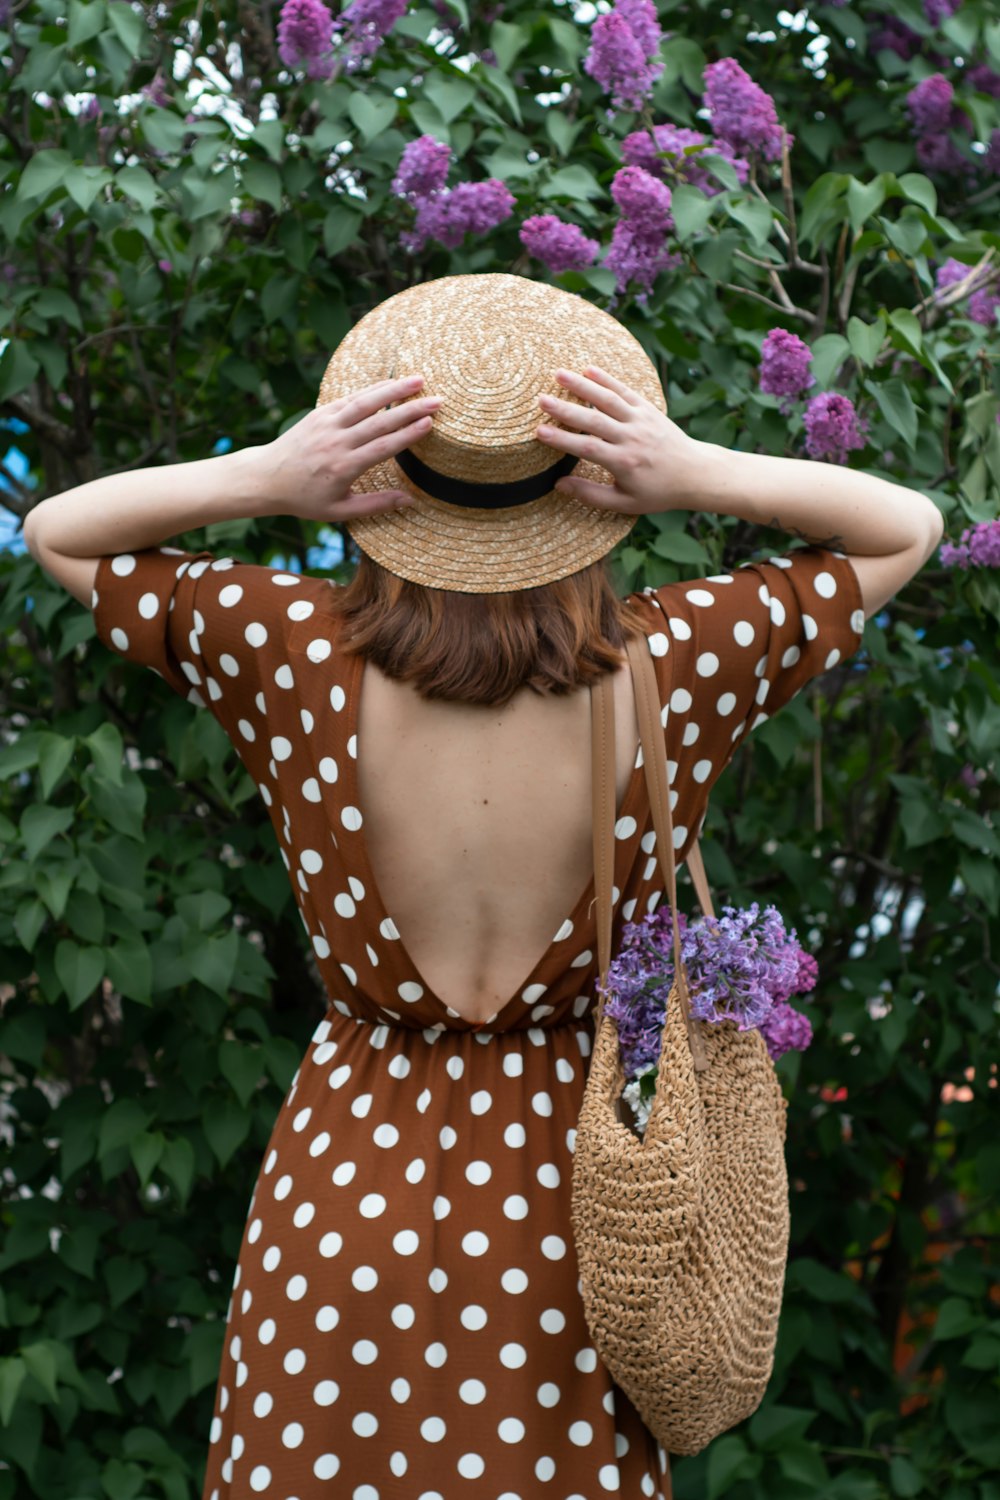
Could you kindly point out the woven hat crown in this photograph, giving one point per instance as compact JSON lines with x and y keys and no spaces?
{"x":489,"y":344}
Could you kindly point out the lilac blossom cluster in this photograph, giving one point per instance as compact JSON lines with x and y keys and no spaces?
{"x":742,"y":967}
{"x":742,"y":113}
{"x":445,"y":214}
{"x":933,"y":111}
{"x":558,"y":245}
{"x":902,"y":39}
{"x":365,"y":24}
{"x":622,"y":57}
{"x":977,"y":547}
{"x":638,"y":242}
{"x":784,"y":367}
{"x":983,"y":303}
{"x":308,"y":33}
{"x":640,"y":149}
{"x":833,"y":427}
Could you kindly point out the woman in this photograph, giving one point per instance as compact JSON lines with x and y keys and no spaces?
{"x":406,"y":1318}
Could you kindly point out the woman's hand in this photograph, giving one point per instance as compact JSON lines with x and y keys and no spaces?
{"x":311,"y":467}
{"x":654,"y":463}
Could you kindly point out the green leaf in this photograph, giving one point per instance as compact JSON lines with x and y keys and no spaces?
{"x":28,"y":922}
{"x":46,"y":170}
{"x":576,"y":182}
{"x":227,"y":1126}
{"x":755,"y":216}
{"x":139,"y":185}
{"x":124,"y":1120}
{"x":85,"y":21}
{"x":107,"y":750}
{"x":372,"y":114}
{"x":83,"y":185}
{"x":177,"y":1165}
{"x":906,"y":1480}
{"x":54,"y":886}
{"x":55,"y":752}
{"x":908,"y":325}
{"x":866,"y":339}
{"x":827,"y":354}
{"x":79,"y":970}
{"x":863,"y":199}
{"x":450,"y":94}
{"x":507,"y":39}
{"x":165,"y":130}
{"x":908,"y":234}
{"x":12,"y":1373}
{"x":271,"y":135}
{"x":562,"y":131}
{"x":691,"y":210}
{"x":821,"y":206}
{"x":730,"y":1460}
{"x":213,"y":960}
{"x":130,"y":969}
{"x":896,"y":405}
{"x":569,"y":38}
{"x":40,"y":825}
{"x":242,"y":1065}
{"x":262,"y":180}
{"x":40,"y":1361}
{"x":18,"y":369}
{"x":920,"y":189}
{"x":130,"y":27}
{"x":956,"y":1319}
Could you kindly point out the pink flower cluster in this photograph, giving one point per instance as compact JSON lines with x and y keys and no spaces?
{"x":640,"y":149}
{"x":977,"y":547}
{"x":623,"y":53}
{"x":982,"y":303}
{"x":638,"y":243}
{"x":445,"y":214}
{"x":307,"y":33}
{"x":833,"y":427}
{"x":933,"y":113}
{"x":784,"y":366}
{"x":742,"y":113}
{"x":558,"y":245}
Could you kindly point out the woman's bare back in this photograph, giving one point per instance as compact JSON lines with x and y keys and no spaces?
{"x":478,"y":826}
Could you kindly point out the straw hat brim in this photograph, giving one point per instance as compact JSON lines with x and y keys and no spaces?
{"x":489,"y":344}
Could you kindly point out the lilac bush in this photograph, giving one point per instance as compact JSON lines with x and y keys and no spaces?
{"x":365,"y":24}
{"x":639,"y":150}
{"x":742,"y":113}
{"x":833,"y":427}
{"x":305,"y":36}
{"x":784,"y":366}
{"x":558,"y":245}
{"x":622,"y":55}
{"x":977,"y":547}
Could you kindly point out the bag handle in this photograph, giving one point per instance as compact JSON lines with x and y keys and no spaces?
{"x":646,"y":692}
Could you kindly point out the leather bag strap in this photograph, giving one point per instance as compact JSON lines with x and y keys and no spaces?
{"x":646,"y":692}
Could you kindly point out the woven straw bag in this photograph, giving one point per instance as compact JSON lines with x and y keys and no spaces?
{"x":681,"y":1236}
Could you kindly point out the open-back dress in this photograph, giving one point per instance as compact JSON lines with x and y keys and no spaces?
{"x":405,"y":1320}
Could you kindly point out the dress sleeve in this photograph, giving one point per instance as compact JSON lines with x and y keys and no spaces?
{"x":213,"y":628}
{"x":734,"y":648}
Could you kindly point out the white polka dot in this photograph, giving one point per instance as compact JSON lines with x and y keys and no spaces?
{"x":262,"y":1404}
{"x":327,"y":1318}
{"x":319,"y":1145}
{"x":825,"y":584}
{"x":326,"y":1466}
{"x":330,"y":1244}
{"x":260,"y":1477}
{"x":679,"y":629}
{"x":586,"y":1361}
{"x":472,"y":1392}
{"x":858,"y":621}
{"x":701,"y":597}
{"x":743,"y":633}
{"x":371,"y":1205}
{"x":809,"y":627}
{"x":553,"y":1320}
{"x":365,"y":1352}
{"x":436,"y":1355}
{"x":410,"y":991}
{"x":405,"y":1242}
{"x":515,"y":1135}
{"x":351,"y":819}
{"x":123,"y":564}
{"x":702,"y":770}
{"x":553,"y":1248}
{"x":707,"y":664}
{"x":832,"y":659}
{"x":471,"y":1466}
{"x":293,"y":1434}
{"x":400,"y":1389}
{"x":326,"y":1393}
{"x":388,"y":928}
{"x":541,"y":1103}
{"x":344,"y":1172}
{"x":548,"y":1394}
{"x":479,"y":1172}
{"x":364,"y":1278}
{"x":337,"y":698}
{"x":281,"y":748}
{"x":532,"y":993}
{"x":581,"y":1433}
{"x":267,"y":1330}
{"x":432,"y":1429}
{"x":480,"y":1101}
{"x":295,"y":1361}
{"x":608,"y":1476}
{"x":548,"y":1175}
{"x":255,"y":634}
{"x":658,"y":644}
{"x":513,"y":1356}
{"x":514,"y":1281}
{"x":296,"y":1288}
{"x":475,"y":1242}
{"x":691,"y":733}
{"x":680,"y":700}
{"x":516,"y":1206}
{"x":777,"y":611}
{"x":385,"y":1135}
{"x":343,"y":905}
{"x":272,"y":1256}
{"x":403,"y":1315}
{"x":791,"y":656}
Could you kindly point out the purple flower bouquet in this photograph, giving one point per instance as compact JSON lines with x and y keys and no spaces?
{"x":740,"y":967}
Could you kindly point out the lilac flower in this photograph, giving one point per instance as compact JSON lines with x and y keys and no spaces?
{"x":930,"y":103}
{"x":559,"y":246}
{"x":937,"y":11}
{"x":639,"y":150}
{"x":622,"y":54}
{"x":165,"y":265}
{"x":305,"y":35}
{"x":833,"y":427}
{"x":367,"y":23}
{"x":742,"y":113}
{"x":785,"y":1028}
{"x":897,"y":37}
{"x":978,"y":546}
{"x":92,"y":109}
{"x":638,"y":244}
{"x":469,"y":208}
{"x":984,"y":80}
{"x":967,"y":776}
{"x":939,"y":154}
{"x":784,"y":366}
{"x":156,"y":91}
{"x":951,"y":271}
{"x":423,"y":168}
{"x":983,"y":305}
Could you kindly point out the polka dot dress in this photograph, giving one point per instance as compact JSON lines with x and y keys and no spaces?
{"x":405,"y":1320}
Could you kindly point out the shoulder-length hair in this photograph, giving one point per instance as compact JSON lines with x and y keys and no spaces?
{"x":480,"y":648}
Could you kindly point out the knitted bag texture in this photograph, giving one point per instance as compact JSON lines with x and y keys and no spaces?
{"x":681,"y":1236}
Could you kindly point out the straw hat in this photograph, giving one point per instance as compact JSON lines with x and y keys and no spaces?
{"x":486,"y":518}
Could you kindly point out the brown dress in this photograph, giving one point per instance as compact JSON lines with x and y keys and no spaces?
{"x":405,"y":1320}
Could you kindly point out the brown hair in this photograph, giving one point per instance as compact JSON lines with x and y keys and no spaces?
{"x":480,"y":648}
